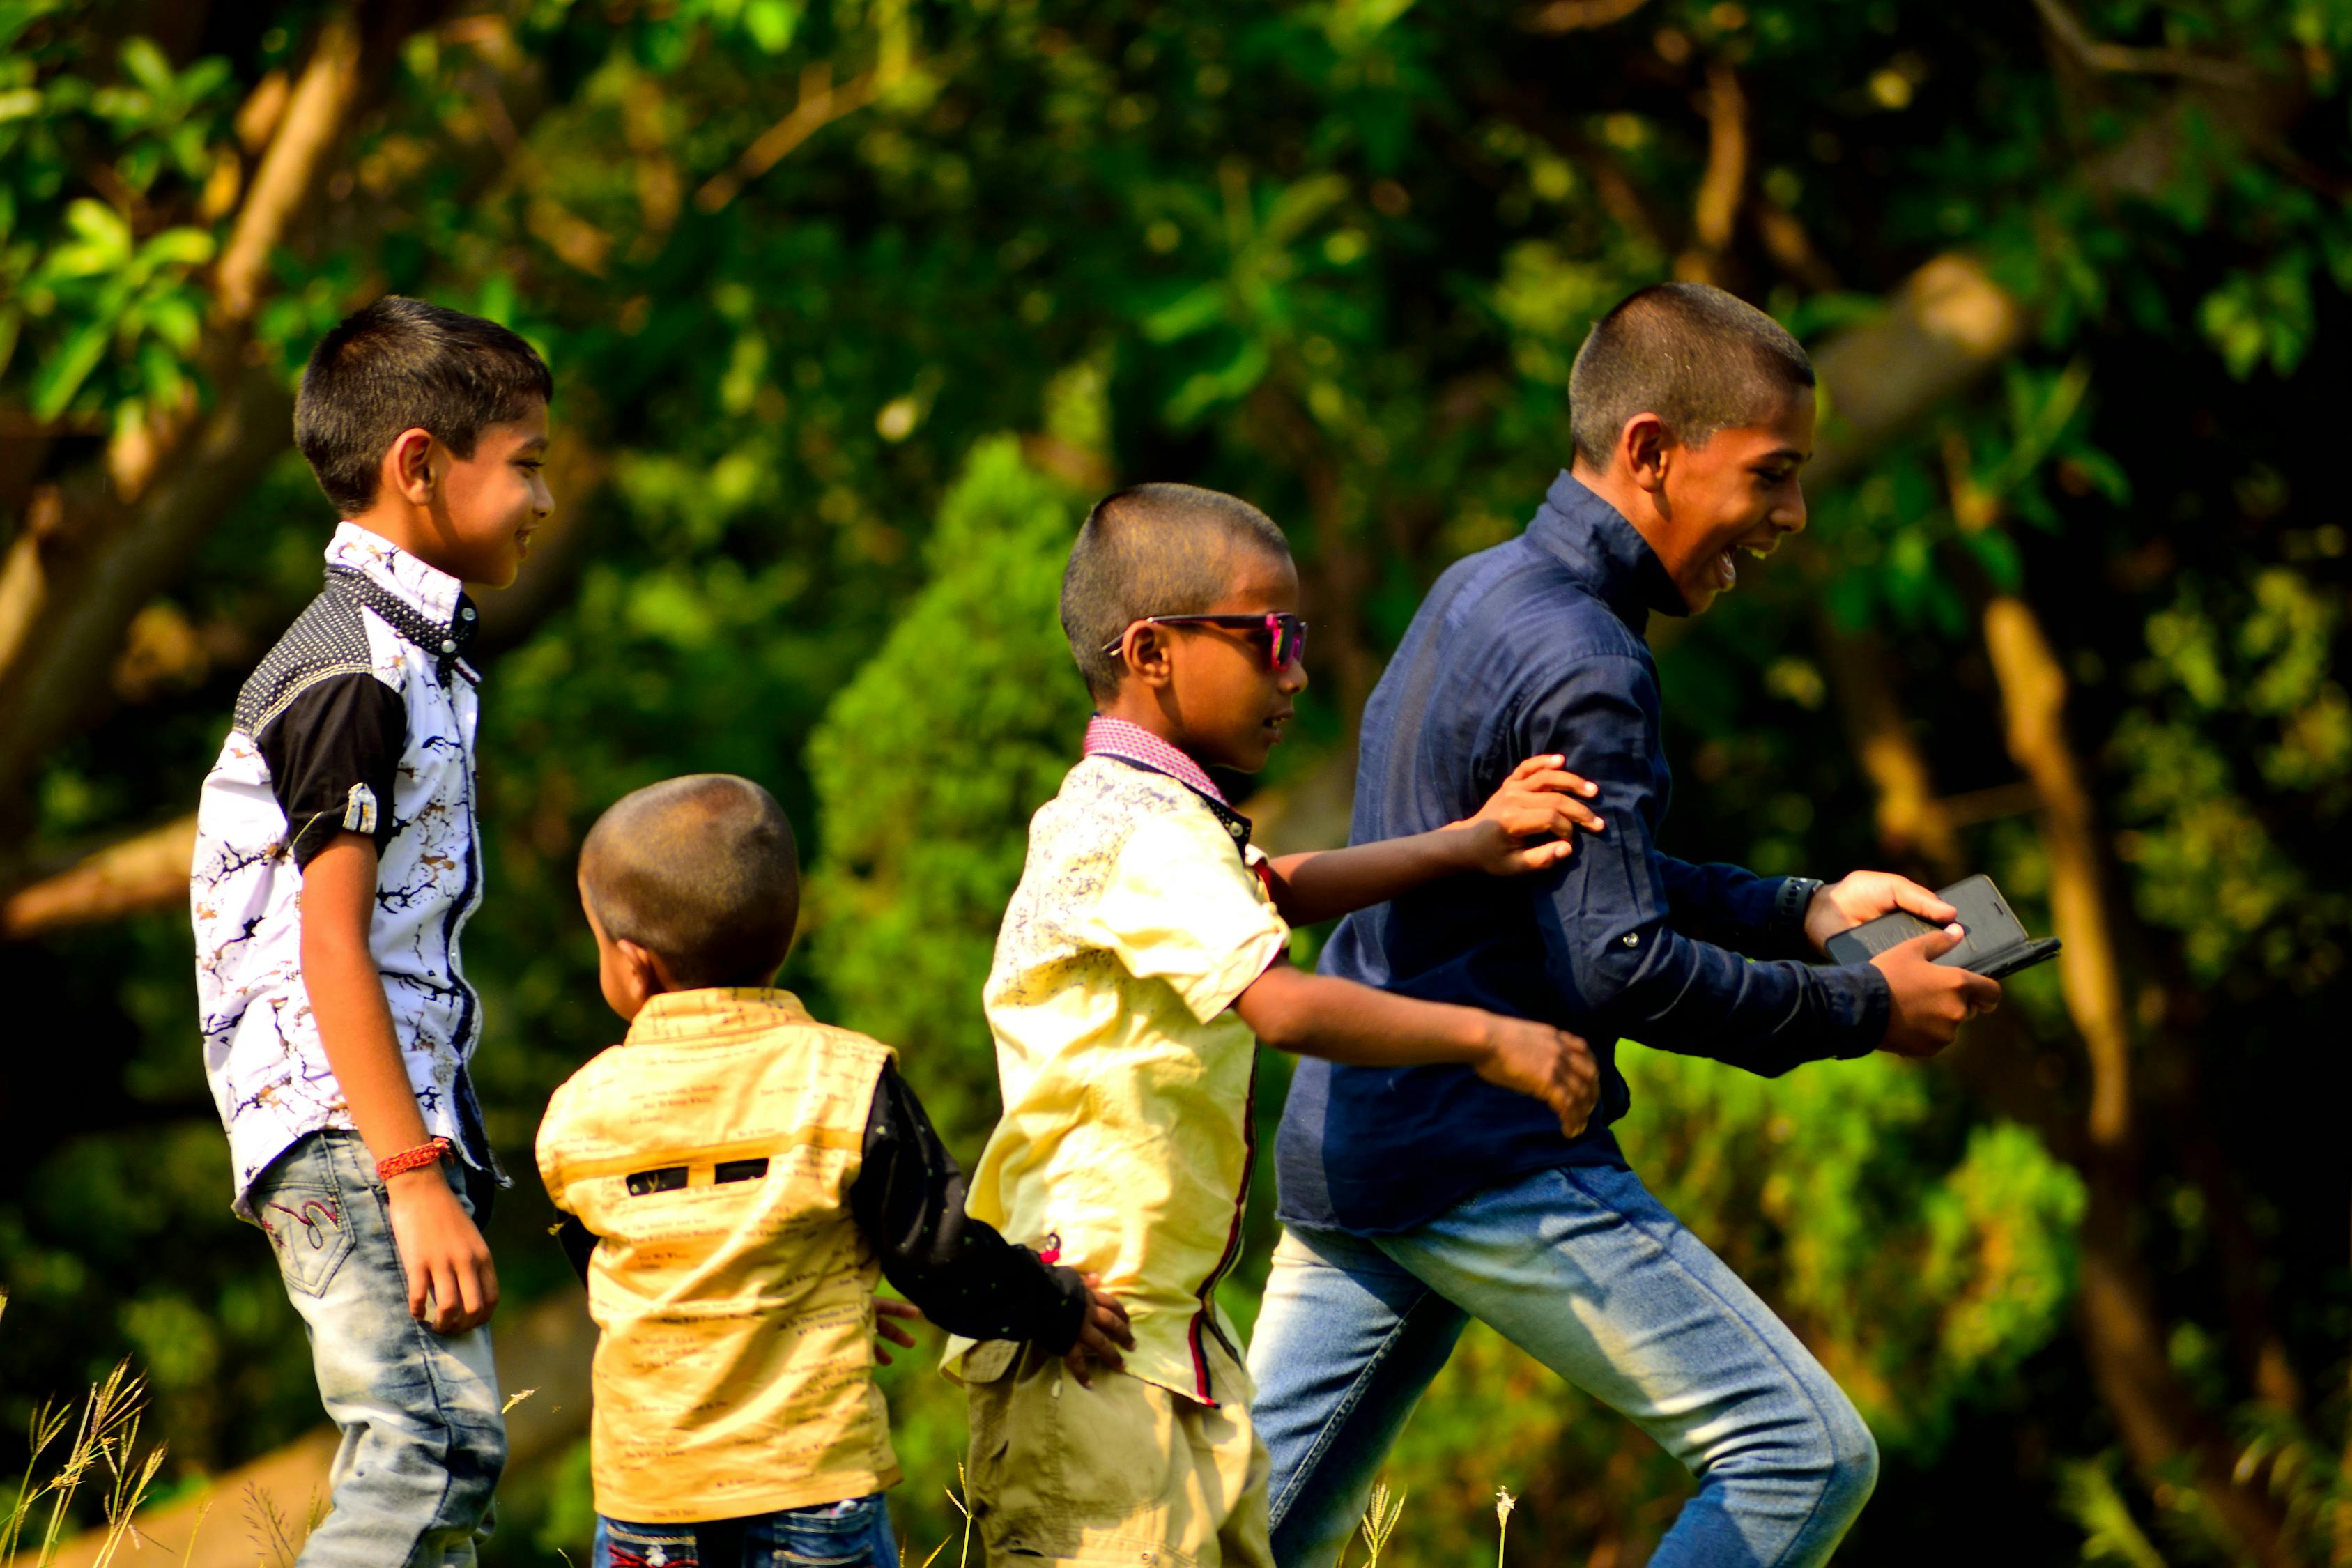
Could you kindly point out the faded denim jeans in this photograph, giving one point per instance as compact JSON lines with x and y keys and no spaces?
{"x":852,"y":1533}
{"x":423,"y":1439}
{"x":1588,"y":1273}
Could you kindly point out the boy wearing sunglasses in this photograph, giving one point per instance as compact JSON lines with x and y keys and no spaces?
{"x":1142,"y":957}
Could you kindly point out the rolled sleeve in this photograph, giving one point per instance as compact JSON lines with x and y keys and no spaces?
{"x":1180,"y":905}
{"x":333,"y":755}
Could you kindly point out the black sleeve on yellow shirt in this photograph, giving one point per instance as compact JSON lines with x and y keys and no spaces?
{"x":577,"y":1243}
{"x":908,"y":1200}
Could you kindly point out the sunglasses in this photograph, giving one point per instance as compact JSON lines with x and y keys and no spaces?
{"x":1285,"y":634}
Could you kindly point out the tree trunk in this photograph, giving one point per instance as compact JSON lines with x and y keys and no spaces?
{"x":2123,"y":1328}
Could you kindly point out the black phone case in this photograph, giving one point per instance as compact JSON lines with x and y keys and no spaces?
{"x":1996,"y":944}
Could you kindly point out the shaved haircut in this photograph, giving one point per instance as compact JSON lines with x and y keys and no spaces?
{"x":1154,"y":550}
{"x":701,"y":870}
{"x":1699,"y":359}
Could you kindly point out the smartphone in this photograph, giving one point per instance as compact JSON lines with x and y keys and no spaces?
{"x":1996,"y":944}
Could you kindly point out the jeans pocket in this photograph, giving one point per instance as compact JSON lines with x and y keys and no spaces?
{"x":302,"y":1209}
{"x":851,"y":1534}
{"x":620,"y":1545}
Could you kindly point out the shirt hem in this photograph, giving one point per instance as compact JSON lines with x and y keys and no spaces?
{"x":674,"y":1509}
{"x":1603,"y":1152}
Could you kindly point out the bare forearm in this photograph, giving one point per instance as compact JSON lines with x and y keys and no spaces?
{"x":1316,"y":1016}
{"x":347,"y":996}
{"x":355,"y":1029}
{"x":1323,"y":885}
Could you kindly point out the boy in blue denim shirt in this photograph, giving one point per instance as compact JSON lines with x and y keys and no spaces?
{"x":337,"y":860}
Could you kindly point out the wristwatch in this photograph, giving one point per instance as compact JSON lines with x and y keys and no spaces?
{"x":1789,"y":907}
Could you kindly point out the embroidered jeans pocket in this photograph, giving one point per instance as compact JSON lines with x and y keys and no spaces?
{"x":855,"y":1534}
{"x":299,"y":1205}
{"x":620,"y":1545}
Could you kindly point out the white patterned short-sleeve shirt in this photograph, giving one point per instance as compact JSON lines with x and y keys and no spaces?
{"x":361,"y":719}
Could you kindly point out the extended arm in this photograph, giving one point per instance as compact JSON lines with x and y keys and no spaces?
{"x":908,"y":1200}
{"x":1539,"y":802}
{"x":1319,"y":1015}
{"x":451,"y":1283}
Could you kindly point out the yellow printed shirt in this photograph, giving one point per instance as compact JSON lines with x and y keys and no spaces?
{"x":712,"y":1156}
{"x":1126,"y":1140}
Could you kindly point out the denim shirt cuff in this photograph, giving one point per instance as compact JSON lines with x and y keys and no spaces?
{"x":1862,"y":1009}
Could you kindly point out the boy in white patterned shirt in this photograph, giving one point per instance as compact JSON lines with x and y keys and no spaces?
{"x":337,"y":861}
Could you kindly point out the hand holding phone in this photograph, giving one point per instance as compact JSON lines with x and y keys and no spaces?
{"x":1931,"y":999}
{"x":1994,"y":942}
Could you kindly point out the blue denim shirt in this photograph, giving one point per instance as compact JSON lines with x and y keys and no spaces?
{"x":1535,"y":647}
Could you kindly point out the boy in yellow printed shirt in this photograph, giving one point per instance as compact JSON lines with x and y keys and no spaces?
{"x":737,"y":1176}
{"x":1142,"y":957}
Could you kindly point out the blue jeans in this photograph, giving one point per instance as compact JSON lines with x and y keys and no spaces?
{"x":1585,"y":1271}
{"x":853,"y":1533}
{"x":423,"y":1439}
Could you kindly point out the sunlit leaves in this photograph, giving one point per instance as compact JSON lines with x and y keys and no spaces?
{"x":101,"y":308}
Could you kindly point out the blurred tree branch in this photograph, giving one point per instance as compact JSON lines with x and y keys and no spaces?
{"x":2124,"y":60}
{"x":129,"y":521}
{"x":146,"y":871}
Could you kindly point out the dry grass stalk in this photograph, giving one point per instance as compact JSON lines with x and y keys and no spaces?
{"x":103,"y":1451}
{"x":1380,"y":1520}
{"x":1503,"y":1503}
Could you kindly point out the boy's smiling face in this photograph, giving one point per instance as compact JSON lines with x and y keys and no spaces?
{"x":1737,"y":494}
{"x":1212,"y":690}
{"x":489,"y":505}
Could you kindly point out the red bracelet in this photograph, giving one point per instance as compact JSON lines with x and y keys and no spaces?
{"x":428,"y":1153}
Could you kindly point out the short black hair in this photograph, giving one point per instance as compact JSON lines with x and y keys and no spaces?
{"x":1153,"y":550}
{"x":701,"y":870}
{"x":1699,"y":359}
{"x":398,"y":364}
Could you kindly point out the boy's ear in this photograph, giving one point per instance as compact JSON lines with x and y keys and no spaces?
{"x":408,"y":467}
{"x":1146,"y":653}
{"x":1645,"y":446}
{"x":650,"y":968}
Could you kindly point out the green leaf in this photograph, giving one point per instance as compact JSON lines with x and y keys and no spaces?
{"x":103,"y":231}
{"x":1195,"y":309}
{"x":772,"y":24}
{"x":63,"y":373}
{"x":145,"y":64}
{"x":178,"y":247}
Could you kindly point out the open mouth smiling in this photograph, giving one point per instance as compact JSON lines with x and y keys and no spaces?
{"x":1727,"y":564}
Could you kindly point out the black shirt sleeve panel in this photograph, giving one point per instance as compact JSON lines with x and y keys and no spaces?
{"x":577,"y":1243}
{"x":341,"y":733}
{"x":908,"y":1200}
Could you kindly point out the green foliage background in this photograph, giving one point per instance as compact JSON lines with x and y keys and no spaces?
{"x":826,"y":429}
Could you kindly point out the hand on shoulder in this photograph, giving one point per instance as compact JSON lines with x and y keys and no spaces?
{"x":1531,"y":821}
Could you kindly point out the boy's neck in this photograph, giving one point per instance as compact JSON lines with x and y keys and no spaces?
{"x":1616,"y":487}
{"x":1137,"y":705}
{"x":410,"y":528}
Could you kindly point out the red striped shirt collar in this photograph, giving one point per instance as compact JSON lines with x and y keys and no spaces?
{"x":1133,"y":744}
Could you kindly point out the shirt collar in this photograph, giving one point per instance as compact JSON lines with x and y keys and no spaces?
{"x":1604,"y":554}
{"x":1138,"y":747}
{"x":427,"y":590}
{"x":422,"y":603}
{"x":724,"y":1010}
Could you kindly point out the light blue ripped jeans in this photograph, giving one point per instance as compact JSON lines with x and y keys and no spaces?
{"x":423,"y":1439}
{"x":1588,"y":1273}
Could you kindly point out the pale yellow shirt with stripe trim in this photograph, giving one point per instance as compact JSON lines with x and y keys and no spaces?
{"x":734,"y":1361}
{"x":1126,"y":1075}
